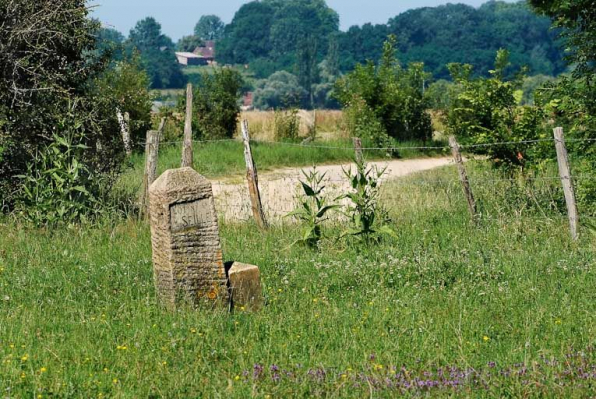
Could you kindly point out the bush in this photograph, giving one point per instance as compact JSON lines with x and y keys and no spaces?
{"x":216,"y":109}
{"x":281,"y":90}
{"x":48,"y":65}
{"x":486,"y":111}
{"x":393,"y":94}
{"x":286,"y":125}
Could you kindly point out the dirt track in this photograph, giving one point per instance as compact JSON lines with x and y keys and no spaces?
{"x":280,"y":187}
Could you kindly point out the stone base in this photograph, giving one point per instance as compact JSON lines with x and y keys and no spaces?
{"x":245,"y":285}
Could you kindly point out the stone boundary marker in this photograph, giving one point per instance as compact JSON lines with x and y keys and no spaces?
{"x":187,"y":257}
{"x":245,"y":285}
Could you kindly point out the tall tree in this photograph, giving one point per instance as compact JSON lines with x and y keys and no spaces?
{"x":209,"y":27}
{"x":157,"y":54}
{"x":307,"y":66}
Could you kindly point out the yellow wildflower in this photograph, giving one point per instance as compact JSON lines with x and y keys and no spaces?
{"x":43,"y":370}
{"x":237,"y":378}
{"x":25,"y":358}
{"x":486,"y":339}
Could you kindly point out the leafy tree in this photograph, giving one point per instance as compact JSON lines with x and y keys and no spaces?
{"x":571,"y":101}
{"x":51,"y":113}
{"x":274,"y":30}
{"x":110,"y":42}
{"x":247,"y":37}
{"x":157,"y":54}
{"x":307,"y":67}
{"x":486,"y":111}
{"x":189,"y":43}
{"x":393,"y":94}
{"x":209,"y":27}
{"x":281,"y":90}
{"x":216,"y":108}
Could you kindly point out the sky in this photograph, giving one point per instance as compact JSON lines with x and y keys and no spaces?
{"x":178,"y":17}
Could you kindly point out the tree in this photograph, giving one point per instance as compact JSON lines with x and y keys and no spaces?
{"x":390,"y":94}
{"x":157,"y":54}
{"x":486,"y":111}
{"x":60,"y":143}
{"x":216,"y":108}
{"x":109,"y":42}
{"x":209,"y":27}
{"x":307,"y":67}
{"x":189,"y":43}
{"x":281,"y":90}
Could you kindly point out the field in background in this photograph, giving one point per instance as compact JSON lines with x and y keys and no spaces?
{"x":447,"y":308}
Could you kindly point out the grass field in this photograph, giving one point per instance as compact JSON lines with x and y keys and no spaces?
{"x":503,"y":308}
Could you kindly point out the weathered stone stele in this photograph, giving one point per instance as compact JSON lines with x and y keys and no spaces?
{"x":187,"y":257}
{"x":245,"y":284}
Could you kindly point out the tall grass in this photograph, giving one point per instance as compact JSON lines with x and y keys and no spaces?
{"x":448,"y":308}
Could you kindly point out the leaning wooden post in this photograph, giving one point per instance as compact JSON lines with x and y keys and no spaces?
{"x":358,"y":150}
{"x":150,"y":175}
{"x":463,"y":176}
{"x":187,"y":160}
{"x":566,"y":180}
{"x":124,"y":121}
{"x":253,"y":180}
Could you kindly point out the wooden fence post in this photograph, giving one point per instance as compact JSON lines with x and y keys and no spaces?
{"x":124,"y":121}
{"x":151,"y":157}
{"x":358,"y":150}
{"x":463,"y":176}
{"x":187,"y":160}
{"x":253,"y":180}
{"x":162,"y":125}
{"x":566,"y":181}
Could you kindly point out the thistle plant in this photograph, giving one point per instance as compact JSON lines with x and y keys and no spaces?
{"x":313,"y":208}
{"x":367,"y":218}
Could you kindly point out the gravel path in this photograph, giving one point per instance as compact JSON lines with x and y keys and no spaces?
{"x":280,"y":188}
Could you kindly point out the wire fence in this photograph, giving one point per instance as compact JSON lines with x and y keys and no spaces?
{"x":279,"y":192}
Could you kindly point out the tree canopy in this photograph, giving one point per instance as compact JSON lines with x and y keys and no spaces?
{"x":209,"y":27}
{"x":157,"y":54}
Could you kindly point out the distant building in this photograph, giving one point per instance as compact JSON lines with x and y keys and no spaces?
{"x":204,"y":55}
{"x":190,"y":59}
{"x":247,"y":102}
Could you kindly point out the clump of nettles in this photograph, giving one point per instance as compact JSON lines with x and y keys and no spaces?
{"x":314,"y":208}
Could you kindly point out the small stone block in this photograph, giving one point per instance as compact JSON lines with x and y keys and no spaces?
{"x":245,"y":282}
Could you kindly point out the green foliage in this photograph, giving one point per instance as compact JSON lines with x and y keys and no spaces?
{"x":313,"y":209}
{"x":367,"y":218}
{"x":486,"y":111}
{"x":275,"y":30}
{"x":393,"y":94}
{"x":286,"y":124}
{"x":209,"y":27}
{"x":128,"y":85}
{"x":280,"y":90}
{"x":50,"y":88}
{"x":58,"y":187}
{"x":440,"y":94}
{"x":216,"y":108}
{"x":189,"y":43}
{"x":157,"y":54}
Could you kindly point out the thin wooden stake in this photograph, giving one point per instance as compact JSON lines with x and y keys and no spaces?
{"x":124,"y":121}
{"x":358,"y":150}
{"x":187,"y":160}
{"x":162,"y":125}
{"x":566,"y":181}
{"x":253,"y":180}
{"x":151,"y":157}
{"x":463,"y":176}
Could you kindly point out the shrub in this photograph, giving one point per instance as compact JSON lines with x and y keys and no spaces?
{"x":486,"y":111}
{"x":392,"y":94}
{"x":48,"y":65}
{"x":280,"y":90}
{"x":216,"y":108}
{"x":286,"y":125}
